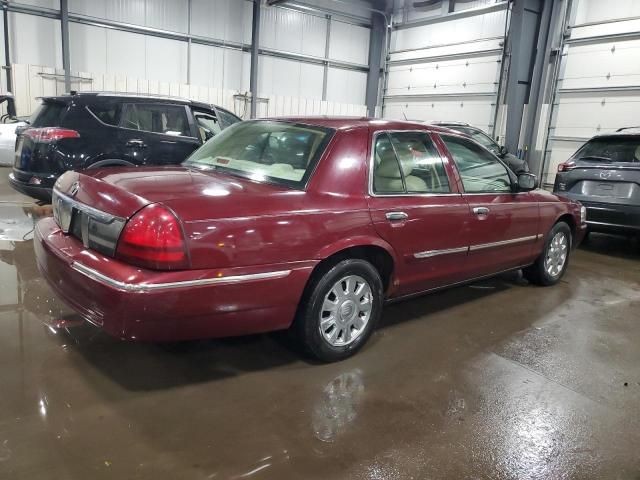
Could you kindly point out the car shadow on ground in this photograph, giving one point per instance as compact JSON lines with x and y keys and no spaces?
{"x":147,"y":367}
{"x":615,"y":245}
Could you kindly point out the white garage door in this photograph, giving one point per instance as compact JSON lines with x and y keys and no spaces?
{"x":598,"y":88}
{"x":448,"y":70}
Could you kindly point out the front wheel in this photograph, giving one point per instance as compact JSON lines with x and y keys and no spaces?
{"x":341,"y":307}
{"x":550,"y":266}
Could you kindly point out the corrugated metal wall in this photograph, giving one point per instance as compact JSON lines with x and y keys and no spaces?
{"x":36,"y":41}
{"x":598,"y":86}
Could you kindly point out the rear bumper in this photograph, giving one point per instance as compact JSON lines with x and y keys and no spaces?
{"x":606,"y":217}
{"x":39,"y":192}
{"x":135,"y":304}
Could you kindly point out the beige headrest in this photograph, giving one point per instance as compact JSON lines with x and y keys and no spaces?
{"x":637,"y":154}
{"x":388,"y":166}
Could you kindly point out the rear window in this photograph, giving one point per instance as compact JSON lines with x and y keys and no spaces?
{"x":48,"y":114}
{"x":610,"y":150}
{"x":264,"y":151}
{"x":106,"y":113}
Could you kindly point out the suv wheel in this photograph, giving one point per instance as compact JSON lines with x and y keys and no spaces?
{"x":340,"y":310}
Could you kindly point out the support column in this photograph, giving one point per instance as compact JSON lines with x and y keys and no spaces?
{"x":525,"y":23}
{"x":7,"y":53}
{"x":64,"y":22}
{"x":327,"y":46}
{"x":255,"y":45}
{"x":376,"y":47}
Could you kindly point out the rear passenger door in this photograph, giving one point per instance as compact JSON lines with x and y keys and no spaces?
{"x":416,"y":207}
{"x":504,"y":224}
{"x":157,"y":134}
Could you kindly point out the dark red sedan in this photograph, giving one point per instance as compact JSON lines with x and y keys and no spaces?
{"x":308,"y":223}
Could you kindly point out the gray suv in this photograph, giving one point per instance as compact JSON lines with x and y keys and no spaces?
{"x":604,"y":175}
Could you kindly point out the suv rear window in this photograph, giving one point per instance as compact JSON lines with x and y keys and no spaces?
{"x":165,"y":119}
{"x":610,"y":149}
{"x":108,"y":113}
{"x":48,"y":114}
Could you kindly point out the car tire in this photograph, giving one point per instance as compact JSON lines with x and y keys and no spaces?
{"x":550,"y":266}
{"x":340,"y":310}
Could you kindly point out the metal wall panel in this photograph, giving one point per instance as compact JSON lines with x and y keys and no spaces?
{"x":228,"y":20}
{"x":54,"y":4}
{"x":346,"y":86}
{"x":293,"y":31}
{"x":598,"y":83}
{"x":88,"y":48}
{"x":35,"y":40}
{"x":349,"y":43}
{"x":290,"y":78}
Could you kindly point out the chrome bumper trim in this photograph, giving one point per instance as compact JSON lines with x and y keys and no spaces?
{"x":146,"y":287}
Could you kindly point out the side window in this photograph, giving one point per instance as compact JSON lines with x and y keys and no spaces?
{"x":480,"y":171}
{"x":208,"y":125}
{"x":407,"y":162}
{"x":226,"y":118}
{"x":108,"y":113}
{"x":387,"y":177}
{"x":165,"y":119}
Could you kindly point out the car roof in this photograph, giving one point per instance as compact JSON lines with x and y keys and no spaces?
{"x":342,"y":123}
{"x":627,"y":132}
{"x":135,"y":96}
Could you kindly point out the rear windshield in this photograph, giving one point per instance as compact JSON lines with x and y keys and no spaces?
{"x":48,"y":114}
{"x":610,"y":149}
{"x":264,"y":150}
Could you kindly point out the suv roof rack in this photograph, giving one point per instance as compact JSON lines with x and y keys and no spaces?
{"x":627,"y":128}
{"x":444,"y":123}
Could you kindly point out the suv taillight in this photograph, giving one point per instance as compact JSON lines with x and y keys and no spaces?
{"x":50,"y":134}
{"x":566,"y":166}
{"x":153,"y":239}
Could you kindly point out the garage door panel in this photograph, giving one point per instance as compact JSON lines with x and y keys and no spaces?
{"x":476,"y":111}
{"x":598,"y":89}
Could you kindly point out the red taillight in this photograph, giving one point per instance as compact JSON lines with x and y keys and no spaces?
{"x":153,"y":239}
{"x":50,"y":134}
{"x":566,"y":166}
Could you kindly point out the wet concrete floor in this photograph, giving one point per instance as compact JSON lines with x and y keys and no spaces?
{"x":494,"y":380}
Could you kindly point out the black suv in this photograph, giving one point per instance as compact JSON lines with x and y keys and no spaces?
{"x":604,"y":175}
{"x":91,"y":130}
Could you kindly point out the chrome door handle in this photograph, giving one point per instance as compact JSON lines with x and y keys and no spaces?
{"x":396,"y":216}
{"x":481,"y":210}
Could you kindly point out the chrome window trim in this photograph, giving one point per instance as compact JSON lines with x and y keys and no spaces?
{"x":444,"y":160}
{"x":435,"y":253}
{"x":147,"y":287}
{"x":96,"y":214}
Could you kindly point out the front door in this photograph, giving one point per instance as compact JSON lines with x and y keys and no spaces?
{"x":417,"y":209}
{"x":156,"y":134}
{"x":504,"y":224}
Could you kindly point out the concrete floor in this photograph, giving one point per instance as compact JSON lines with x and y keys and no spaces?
{"x":495,"y":380}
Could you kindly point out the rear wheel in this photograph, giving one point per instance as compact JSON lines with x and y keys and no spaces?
{"x":550,"y":266}
{"x":340,"y":310}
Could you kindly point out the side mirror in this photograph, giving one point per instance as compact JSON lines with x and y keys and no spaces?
{"x":503,"y":150}
{"x":527,"y":182}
